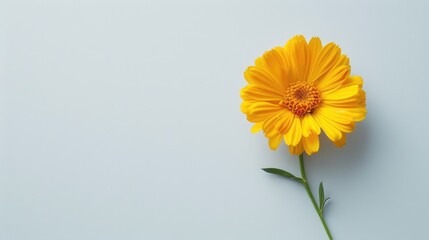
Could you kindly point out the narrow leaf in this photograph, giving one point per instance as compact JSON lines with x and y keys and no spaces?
{"x":283,"y":173}
{"x":323,"y":205}
{"x":321,"y":196}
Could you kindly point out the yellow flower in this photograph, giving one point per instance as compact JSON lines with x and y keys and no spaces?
{"x":296,"y":91}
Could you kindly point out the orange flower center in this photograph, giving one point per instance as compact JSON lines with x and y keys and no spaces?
{"x":301,"y":98}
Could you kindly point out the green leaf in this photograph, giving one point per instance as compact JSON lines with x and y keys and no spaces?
{"x":321,"y":196}
{"x":324,"y":203}
{"x":283,"y":173}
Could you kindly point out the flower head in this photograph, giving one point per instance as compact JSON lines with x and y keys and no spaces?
{"x":296,"y":91}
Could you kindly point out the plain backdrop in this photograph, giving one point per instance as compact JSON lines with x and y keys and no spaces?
{"x":121,"y":120}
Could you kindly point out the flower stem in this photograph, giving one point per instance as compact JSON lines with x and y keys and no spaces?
{"x":310,"y":194}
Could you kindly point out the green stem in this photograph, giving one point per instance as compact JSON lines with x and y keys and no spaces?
{"x":310,"y":194}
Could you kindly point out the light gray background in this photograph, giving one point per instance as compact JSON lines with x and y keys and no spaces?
{"x":120,"y":120}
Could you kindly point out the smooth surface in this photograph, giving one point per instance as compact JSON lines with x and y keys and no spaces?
{"x":120,"y":120}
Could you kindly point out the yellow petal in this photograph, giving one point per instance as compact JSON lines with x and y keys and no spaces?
{"x":333,"y":133}
{"x":298,"y":149}
{"x":256,"y":127}
{"x":351,"y":102}
{"x":293,"y":136}
{"x":358,"y":114}
{"x":259,"y":111}
{"x":259,"y":93}
{"x":309,"y":126}
{"x":337,"y":114}
{"x":344,"y":60}
{"x":327,"y":58}
{"x":274,"y":141}
{"x":334,"y":78}
{"x":277,"y":64}
{"x":297,"y":49}
{"x":341,"y":142}
{"x":263,"y":78}
{"x":269,"y":125}
{"x":354,"y":80}
{"x":354,"y":106}
{"x":285,"y":121}
{"x":314,"y":48}
{"x":311,"y":144}
{"x":337,"y":118}
{"x":341,"y":93}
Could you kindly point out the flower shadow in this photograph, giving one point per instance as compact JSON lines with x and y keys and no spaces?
{"x":331,"y":163}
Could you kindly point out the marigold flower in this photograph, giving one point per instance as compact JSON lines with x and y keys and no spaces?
{"x":296,"y":91}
